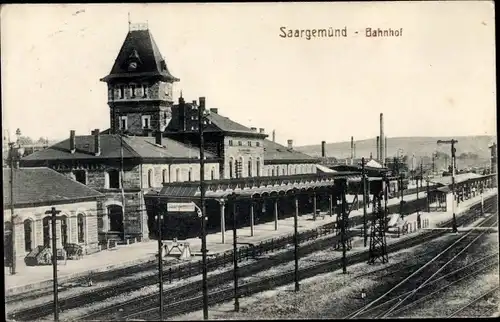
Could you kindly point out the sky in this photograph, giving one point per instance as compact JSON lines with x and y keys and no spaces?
{"x":437,"y":79}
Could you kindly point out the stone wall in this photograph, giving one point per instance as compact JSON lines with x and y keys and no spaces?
{"x":233,"y":151}
{"x":89,"y":209}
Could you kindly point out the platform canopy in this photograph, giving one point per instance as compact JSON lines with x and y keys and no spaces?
{"x":250,"y":187}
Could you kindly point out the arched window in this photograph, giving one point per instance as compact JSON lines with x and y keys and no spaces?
{"x":164,"y":175}
{"x":113,"y":179}
{"x":239,"y":170}
{"x":250,"y":167}
{"x":177,"y":175}
{"x":190,"y":178}
{"x":212,"y":174}
{"x":272,"y":172}
{"x":283,"y":171}
{"x":81,"y":228}
{"x":150,"y":178}
{"x":64,"y":230}
{"x":257,"y":165}
{"x":231,"y":168}
{"x":46,"y":231}
{"x":28,"y":235}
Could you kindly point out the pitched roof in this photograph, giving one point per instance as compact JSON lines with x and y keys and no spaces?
{"x":133,"y":147}
{"x":225,"y":124}
{"x":34,"y":185}
{"x":275,"y":151}
{"x":445,"y":181}
{"x":140,"y":46}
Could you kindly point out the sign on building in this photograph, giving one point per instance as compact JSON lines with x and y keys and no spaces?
{"x":181,"y":207}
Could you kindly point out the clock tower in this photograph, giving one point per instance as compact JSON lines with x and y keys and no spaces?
{"x":139,"y":86}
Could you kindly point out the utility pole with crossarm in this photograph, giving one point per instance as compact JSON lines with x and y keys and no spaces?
{"x":452,"y":142}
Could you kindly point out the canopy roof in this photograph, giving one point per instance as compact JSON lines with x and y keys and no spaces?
{"x":250,"y":187}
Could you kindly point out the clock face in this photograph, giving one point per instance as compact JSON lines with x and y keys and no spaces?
{"x":132,"y":65}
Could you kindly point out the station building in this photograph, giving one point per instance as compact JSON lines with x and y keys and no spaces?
{"x":153,"y":142}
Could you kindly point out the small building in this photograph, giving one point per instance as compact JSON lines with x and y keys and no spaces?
{"x":34,"y":192}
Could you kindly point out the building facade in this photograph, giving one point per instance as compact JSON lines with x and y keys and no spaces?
{"x":29,"y":193}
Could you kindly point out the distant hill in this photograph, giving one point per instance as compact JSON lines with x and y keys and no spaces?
{"x":420,"y":146}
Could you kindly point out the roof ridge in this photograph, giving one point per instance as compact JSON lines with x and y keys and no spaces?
{"x":74,"y":181}
{"x":126,"y":145}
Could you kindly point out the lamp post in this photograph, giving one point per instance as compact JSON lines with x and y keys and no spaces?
{"x":15,"y":153}
{"x":202,"y":121}
{"x":452,"y":142}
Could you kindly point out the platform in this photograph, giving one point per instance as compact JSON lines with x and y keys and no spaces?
{"x":30,"y":278}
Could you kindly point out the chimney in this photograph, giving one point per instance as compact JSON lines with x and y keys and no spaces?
{"x":72,"y":141}
{"x":261,"y":130}
{"x":378,"y":148}
{"x":382,"y":138}
{"x":385,"y":152}
{"x":274,"y":136}
{"x":352,"y":150}
{"x":354,"y":153}
{"x":323,"y":143}
{"x":254,"y":129}
{"x":290,"y":144}
{"x":97,"y":142}
{"x":182,"y":115}
{"x":214,"y":110}
{"x":158,"y":136}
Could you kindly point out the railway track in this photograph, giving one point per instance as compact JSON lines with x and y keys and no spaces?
{"x":482,"y":306}
{"x":405,"y":291}
{"x":77,"y":301}
{"x":193,"y":303}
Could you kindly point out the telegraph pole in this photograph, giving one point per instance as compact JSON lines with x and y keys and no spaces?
{"x":12,"y":216}
{"x":363,"y":172}
{"x":201,"y":123}
{"x":452,"y":142}
{"x":235,"y":261}
{"x":296,"y":241}
{"x":54,"y":214}
{"x":159,"y":219}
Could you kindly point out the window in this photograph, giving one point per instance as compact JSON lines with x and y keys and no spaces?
{"x":146,"y":121}
{"x":132,"y":91}
{"x":283,"y":171}
{"x":123,"y":122}
{"x":249,"y":168}
{"x":189,"y":174}
{"x":150,"y":178}
{"x":46,"y":231}
{"x":230,"y":168}
{"x":81,"y":228}
{"x":257,"y":143}
{"x":258,"y":167}
{"x":122,"y":91}
{"x":144,"y":90}
{"x":272,"y":172}
{"x":239,"y":168}
{"x":230,"y":142}
{"x":80,"y":176}
{"x":177,"y":175}
{"x":249,"y":143}
{"x":28,"y":235}
{"x":164,"y":175}
{"x":240,"y":143}
{"x":64,"y":230}
{"x":212,"y":174}
{"x":113,"y":179}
